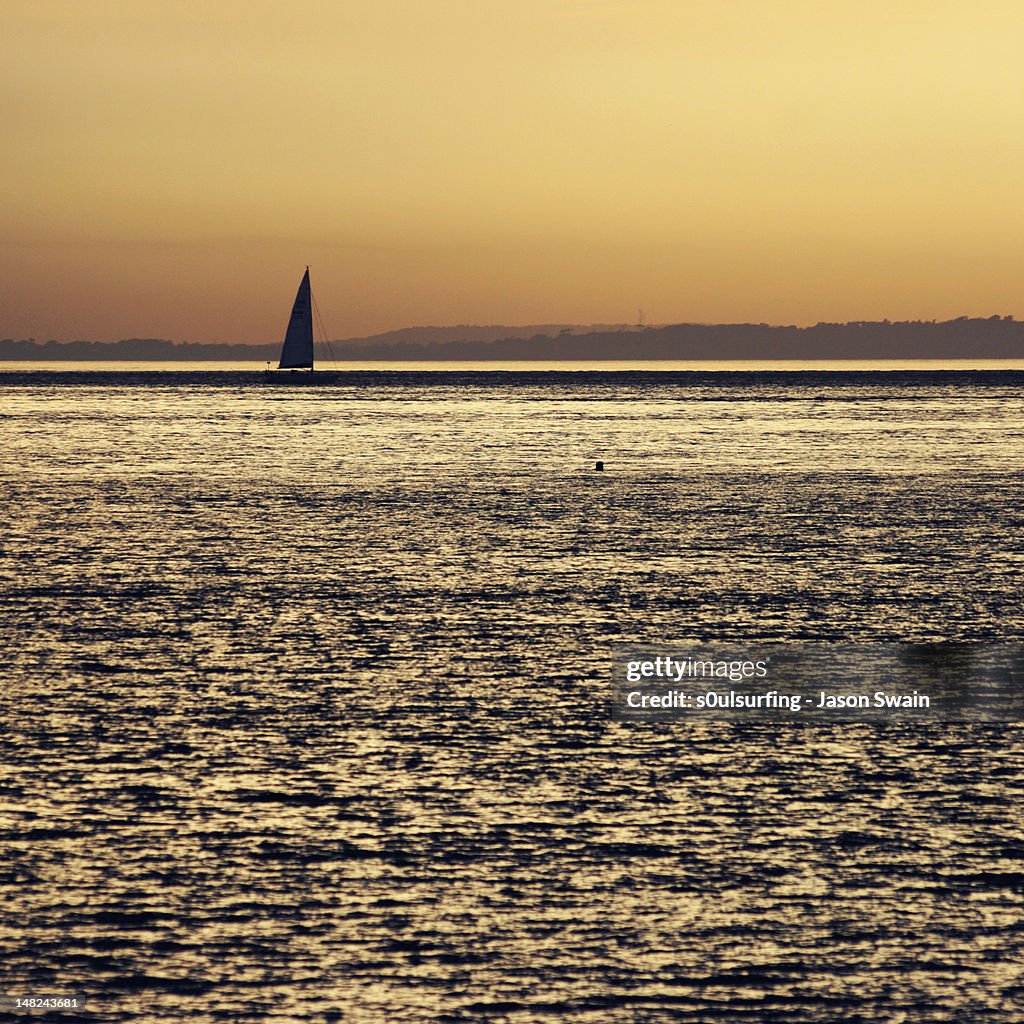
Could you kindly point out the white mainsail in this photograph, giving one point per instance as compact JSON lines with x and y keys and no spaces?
{"x":297,"y":350}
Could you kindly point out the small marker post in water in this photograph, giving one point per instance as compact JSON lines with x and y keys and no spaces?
{"x":599,"y":466}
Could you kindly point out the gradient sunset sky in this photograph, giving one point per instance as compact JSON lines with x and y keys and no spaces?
{"x":169,"y":168}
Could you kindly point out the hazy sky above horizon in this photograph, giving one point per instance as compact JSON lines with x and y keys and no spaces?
{"x":169,"y":167}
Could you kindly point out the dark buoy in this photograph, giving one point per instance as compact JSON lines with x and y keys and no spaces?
{"x":599,"y":466}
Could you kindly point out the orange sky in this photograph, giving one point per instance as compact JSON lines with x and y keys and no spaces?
{"x":169,"y":166}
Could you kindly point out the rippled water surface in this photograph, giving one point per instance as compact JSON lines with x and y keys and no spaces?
{"x":305,"y":697}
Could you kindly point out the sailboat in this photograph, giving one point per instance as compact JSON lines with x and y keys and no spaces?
{"x":297,"y":349}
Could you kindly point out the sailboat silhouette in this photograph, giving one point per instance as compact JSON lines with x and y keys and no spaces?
{"x":297,"y":348}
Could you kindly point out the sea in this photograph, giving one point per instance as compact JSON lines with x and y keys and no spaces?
{"x":305,"y":694}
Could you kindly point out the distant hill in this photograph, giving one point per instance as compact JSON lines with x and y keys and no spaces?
{"x":472,"y":333}
{"x":996,"y":337}
{"x":162,"y":350}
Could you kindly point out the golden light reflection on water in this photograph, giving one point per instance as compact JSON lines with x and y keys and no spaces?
{"x":305,"y":707}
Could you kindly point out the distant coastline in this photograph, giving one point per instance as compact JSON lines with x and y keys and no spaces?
{"x":995,"y":337}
